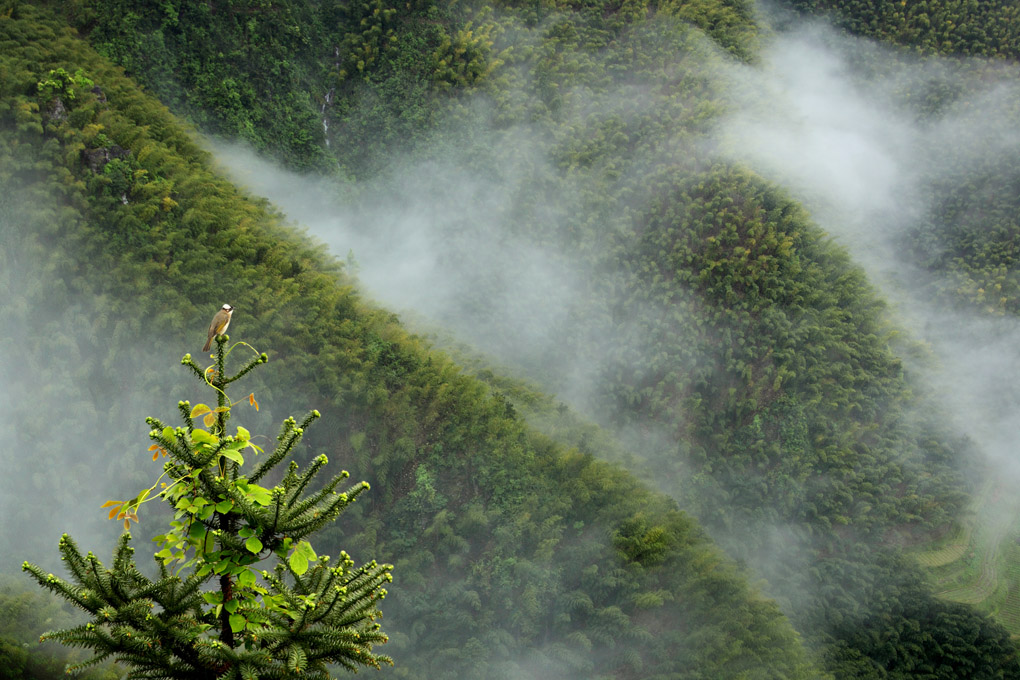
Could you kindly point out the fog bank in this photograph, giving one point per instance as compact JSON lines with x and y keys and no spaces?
{"x":843,"y":124}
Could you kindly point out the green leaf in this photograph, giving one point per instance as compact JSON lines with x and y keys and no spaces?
{"x":223,"y":507}
{"x":199,"y":409}
{"x":246,"y":578}
{"x":296,"y":660}
{"x":284,"y":548}
{"x":305,"y":549}
{"x":210,"y":543}
{"x":299,"y":563}
{"x":259,"y":494}
{"x":243,"y":434}
{"x":253,"y":544}
{"x":303,"y":554}
{"x":213,"y":598}
{"x":168,"y":432}
{"x":231,"y":606}
{"x":202,"y":437}
{"x":237,"y":623}
{"x":234,"y":456}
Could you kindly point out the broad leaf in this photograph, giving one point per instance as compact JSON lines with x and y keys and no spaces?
{"x":203,"y":437}
{"x":234,"y":456}
{"x":305,"y":548}
{"x":246,"y":578}
{"x":299,"y":563}
{"x":237,"y":623}
{"x":199,"y":409}
{"x":259,"y":494}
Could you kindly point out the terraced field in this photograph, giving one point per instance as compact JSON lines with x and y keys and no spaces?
{"x":979,"y":564}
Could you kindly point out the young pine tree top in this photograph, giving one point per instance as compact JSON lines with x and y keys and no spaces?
{"x":214,"y":612}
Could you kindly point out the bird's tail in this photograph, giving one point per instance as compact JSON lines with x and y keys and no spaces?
{"x":208,"y":344}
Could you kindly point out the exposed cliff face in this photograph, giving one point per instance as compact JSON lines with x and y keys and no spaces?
{"x":96,"y":159}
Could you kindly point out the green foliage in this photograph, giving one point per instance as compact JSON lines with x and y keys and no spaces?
{"x":24,"y":615}
{"x":731,"y":23}
{"x":507,"y":541}
{"x":745,"y":336}
{"x":947,"y":640}
{"x":295,"y":619}
{"x":238,"y":70}
{"x":59,"y":83}
{"x":372,"y":74}
{"x":462,"y":60}
{"x":370,"y":32}
{"x":988,"y":28}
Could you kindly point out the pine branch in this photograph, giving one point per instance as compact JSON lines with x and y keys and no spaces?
{"x":252,"y":363}
{"x":313,"y":469}
{"x":287,"y":440}
{"x":169,"y":628}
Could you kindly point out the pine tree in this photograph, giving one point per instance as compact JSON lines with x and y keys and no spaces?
{"x":253,"y":623}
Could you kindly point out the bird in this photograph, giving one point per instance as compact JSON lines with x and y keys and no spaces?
{"x":219,"y":325}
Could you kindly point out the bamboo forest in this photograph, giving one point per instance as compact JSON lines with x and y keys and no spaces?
{"x":550,"y":339}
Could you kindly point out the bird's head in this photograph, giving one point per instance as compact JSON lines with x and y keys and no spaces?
{"x":227,"y":308}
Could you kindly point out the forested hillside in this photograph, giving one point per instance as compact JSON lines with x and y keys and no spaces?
{"x":741,"y":358}
{"x":968,"y":238}
{"x":971,"y":27}
{"x":515,"y":555}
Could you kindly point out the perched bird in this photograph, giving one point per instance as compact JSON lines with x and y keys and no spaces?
{"x":219,"y":325}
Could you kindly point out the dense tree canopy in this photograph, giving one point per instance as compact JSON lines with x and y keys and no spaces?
{"x":730,"y":325}
{"x":545,"y":557}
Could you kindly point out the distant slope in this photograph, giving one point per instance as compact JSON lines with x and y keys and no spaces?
{"x":514,"y":555}
{"x":323,"y":82}
{"x":988,"y":28}
{"x":970,"y":237}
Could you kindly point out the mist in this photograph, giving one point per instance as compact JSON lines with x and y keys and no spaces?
{"x":418,"y":250}
{"x":852,"y":145}
{"x":57,"y":466}
{"x":445,"y":227}
{"x":72,"y":409}
{"x":850,"y":129}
